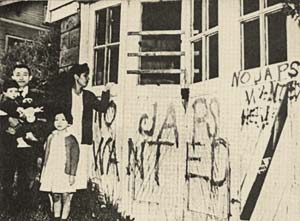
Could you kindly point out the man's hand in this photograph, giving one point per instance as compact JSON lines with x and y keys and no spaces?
{"x":71,"y":180}
{"x":27,"y":100}
{"x":38,"y":109}
{"x":30,"y":136}
{"x":108,"y":86}
{"x":39,"y":162}
{"x":11,"y":131}
{"x":13,"y":122}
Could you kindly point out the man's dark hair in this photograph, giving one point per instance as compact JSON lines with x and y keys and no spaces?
{"x":9,"y":84}
{"x":22,"y":66}
{"x":77,"y":69}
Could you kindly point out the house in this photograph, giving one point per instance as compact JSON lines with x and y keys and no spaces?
{"x":20,"y":21}
{"x":203,"y":121}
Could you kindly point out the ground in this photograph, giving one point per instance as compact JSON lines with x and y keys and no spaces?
{"x":80,"y":210}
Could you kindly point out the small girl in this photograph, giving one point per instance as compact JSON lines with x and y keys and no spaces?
{"x":60,"y":166}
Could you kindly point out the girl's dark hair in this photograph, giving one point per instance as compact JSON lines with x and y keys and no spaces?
{"x":67,"y":115}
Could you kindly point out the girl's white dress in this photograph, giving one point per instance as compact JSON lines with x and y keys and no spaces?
{"x":53,"y":177}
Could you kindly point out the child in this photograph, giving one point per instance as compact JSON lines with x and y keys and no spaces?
{"x":8,"y":146}
{"x":60,"y":166}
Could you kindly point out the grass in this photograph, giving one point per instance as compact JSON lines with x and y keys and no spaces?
{"x":84,"y":203}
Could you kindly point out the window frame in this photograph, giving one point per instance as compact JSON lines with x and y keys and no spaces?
{"x":204,"y":37}
{"x":107,"y":46}
{"x":262,"y":15}
{"x":179,"y":54}
{"x":8,"y":36}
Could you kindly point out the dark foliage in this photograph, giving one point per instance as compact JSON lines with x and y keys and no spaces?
{"x":41,"y":55}
{"x":292,"y":8}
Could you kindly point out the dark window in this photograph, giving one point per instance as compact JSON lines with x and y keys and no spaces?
{"x":107,"y":45}
{"x":213,"y":57}
{"x":114,"y":64}
{"x":100,"y":27}
{"x":12,"y":41}
{"x":213,"y":13}
{"x":250,"y":6}
{"x":161,"y":16}
{"x":115,"y":24}
{"x":205,"y":43}
{"x":277,"y":42}
{"x":160,"y":43}
{"x":197,"y":16}
{"x":156,"y":69}
{"x":251,"y":44}
{"x":274,"y":2}
{"x":160,"y":62}
{"x":160,"y":79}
{"x":99,"y":68}
{"x":198,"y":61}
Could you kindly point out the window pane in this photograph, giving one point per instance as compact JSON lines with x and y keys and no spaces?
{"x":197,"y":16}
{"x":11,"y":42}
{"x":161,"y":16}
{"x":160,"y":79}
{"x":160,"y":62}
{"x":274,"y":2}
{"x":100,"y":27}
{"x":98,"y":78}
{"x":114,"y":64}
{"x":198,"y":61}
{"x":160,"y":43}
{"x":251,"y":44}
{"x":277,"y":40}
{"x":115,"y":24}
{"x":213,"y":13}
{"x":213,"y":57}
{"x":250,"y":6}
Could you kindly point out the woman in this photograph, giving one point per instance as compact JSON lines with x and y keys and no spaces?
{"x":80,"y":103}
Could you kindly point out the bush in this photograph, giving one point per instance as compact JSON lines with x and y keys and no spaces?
{"x":41,"y":55}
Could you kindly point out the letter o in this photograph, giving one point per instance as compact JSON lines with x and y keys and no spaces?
{"x":243,"y":80}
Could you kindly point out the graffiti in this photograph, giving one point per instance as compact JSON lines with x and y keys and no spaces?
{"x":285,"y":71}
{"x":261,"y":101}
{"x":167,"y":128}
{"x":145,"y":130}
{"x":207,"y":161}
{"x":145,"y":140}
{"x":110,"y":114}
{"x":266,"y":160}
{"x":260,"y":116}
{"x":205,"y":137}
{"x":107,"y":151}
{"x":273,"y":92}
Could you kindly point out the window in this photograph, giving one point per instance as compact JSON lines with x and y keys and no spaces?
{"x":205,"y":42}
{"x":107,"y":44}
{"x":264,"y":33}
{"x":11,"y":41}
{"x":160,"y":43}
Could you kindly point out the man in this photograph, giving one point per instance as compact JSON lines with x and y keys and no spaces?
{"x":30,"y":147}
